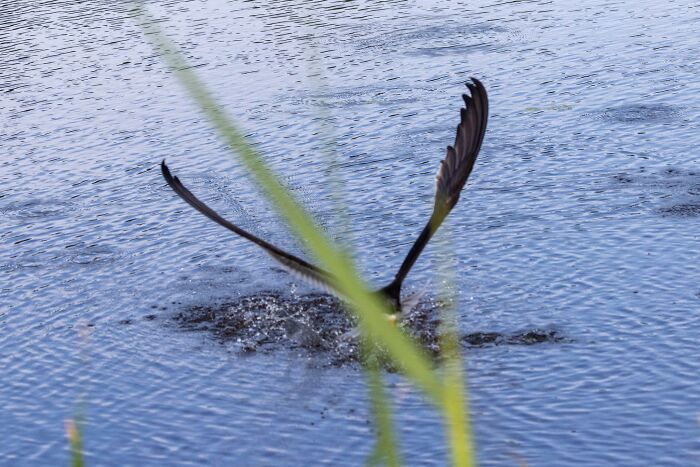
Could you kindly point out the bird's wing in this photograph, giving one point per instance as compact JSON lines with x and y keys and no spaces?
{"x":297,"y":266}
{"x":454,"y":169}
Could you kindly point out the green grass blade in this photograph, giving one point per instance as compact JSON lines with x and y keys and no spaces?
{"x":74,"y":434}
{"x":455,"y":410}
{"x":386,"y":449}
{"x":406,"y":354}
{"x":455,"y":407}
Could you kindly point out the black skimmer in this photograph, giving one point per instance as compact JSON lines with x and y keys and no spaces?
{"x":452,"y":175}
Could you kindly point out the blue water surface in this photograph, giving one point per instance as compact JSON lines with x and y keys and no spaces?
{"x":582,"y":215}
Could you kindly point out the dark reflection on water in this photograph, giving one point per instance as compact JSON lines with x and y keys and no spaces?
{"x":579,"y":225}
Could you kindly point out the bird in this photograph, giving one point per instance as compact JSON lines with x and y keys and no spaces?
{"x":452,"y":175}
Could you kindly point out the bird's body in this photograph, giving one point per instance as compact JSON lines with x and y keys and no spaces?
{"x":454,"y":171}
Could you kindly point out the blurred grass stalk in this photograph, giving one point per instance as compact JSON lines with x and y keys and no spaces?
{"x":455,"y":407}
{"x":74,"y":429}
{"x":386,"y":447}
{"x":385,"y":450}
{"x":445,"y":393}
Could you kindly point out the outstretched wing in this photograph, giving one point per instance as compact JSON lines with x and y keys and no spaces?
{"x":459,"y":162}
{"x":291,"y":263}
{"x":453,"y":173}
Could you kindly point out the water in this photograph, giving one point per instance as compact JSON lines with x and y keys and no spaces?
{"x":582,"y":216}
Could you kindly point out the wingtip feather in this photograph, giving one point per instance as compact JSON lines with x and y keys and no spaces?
{"x":165,"y":171}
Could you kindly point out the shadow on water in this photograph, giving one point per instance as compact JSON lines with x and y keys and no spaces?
{"x":318,"y":323}
{"x":37,"y":209}
{"x":642,"y":113}
{"x":671,"y":192}
{"x":682,"y":210}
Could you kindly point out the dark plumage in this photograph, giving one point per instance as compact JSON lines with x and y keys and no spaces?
{"x":452,"y":175}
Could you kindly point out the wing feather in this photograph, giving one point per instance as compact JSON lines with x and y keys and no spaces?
{"x":300,"y":268}
{"x":453,"y":173}
{"x":460,"y":158}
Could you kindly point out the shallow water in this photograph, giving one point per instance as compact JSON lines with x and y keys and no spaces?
{"x":581,"y":216}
